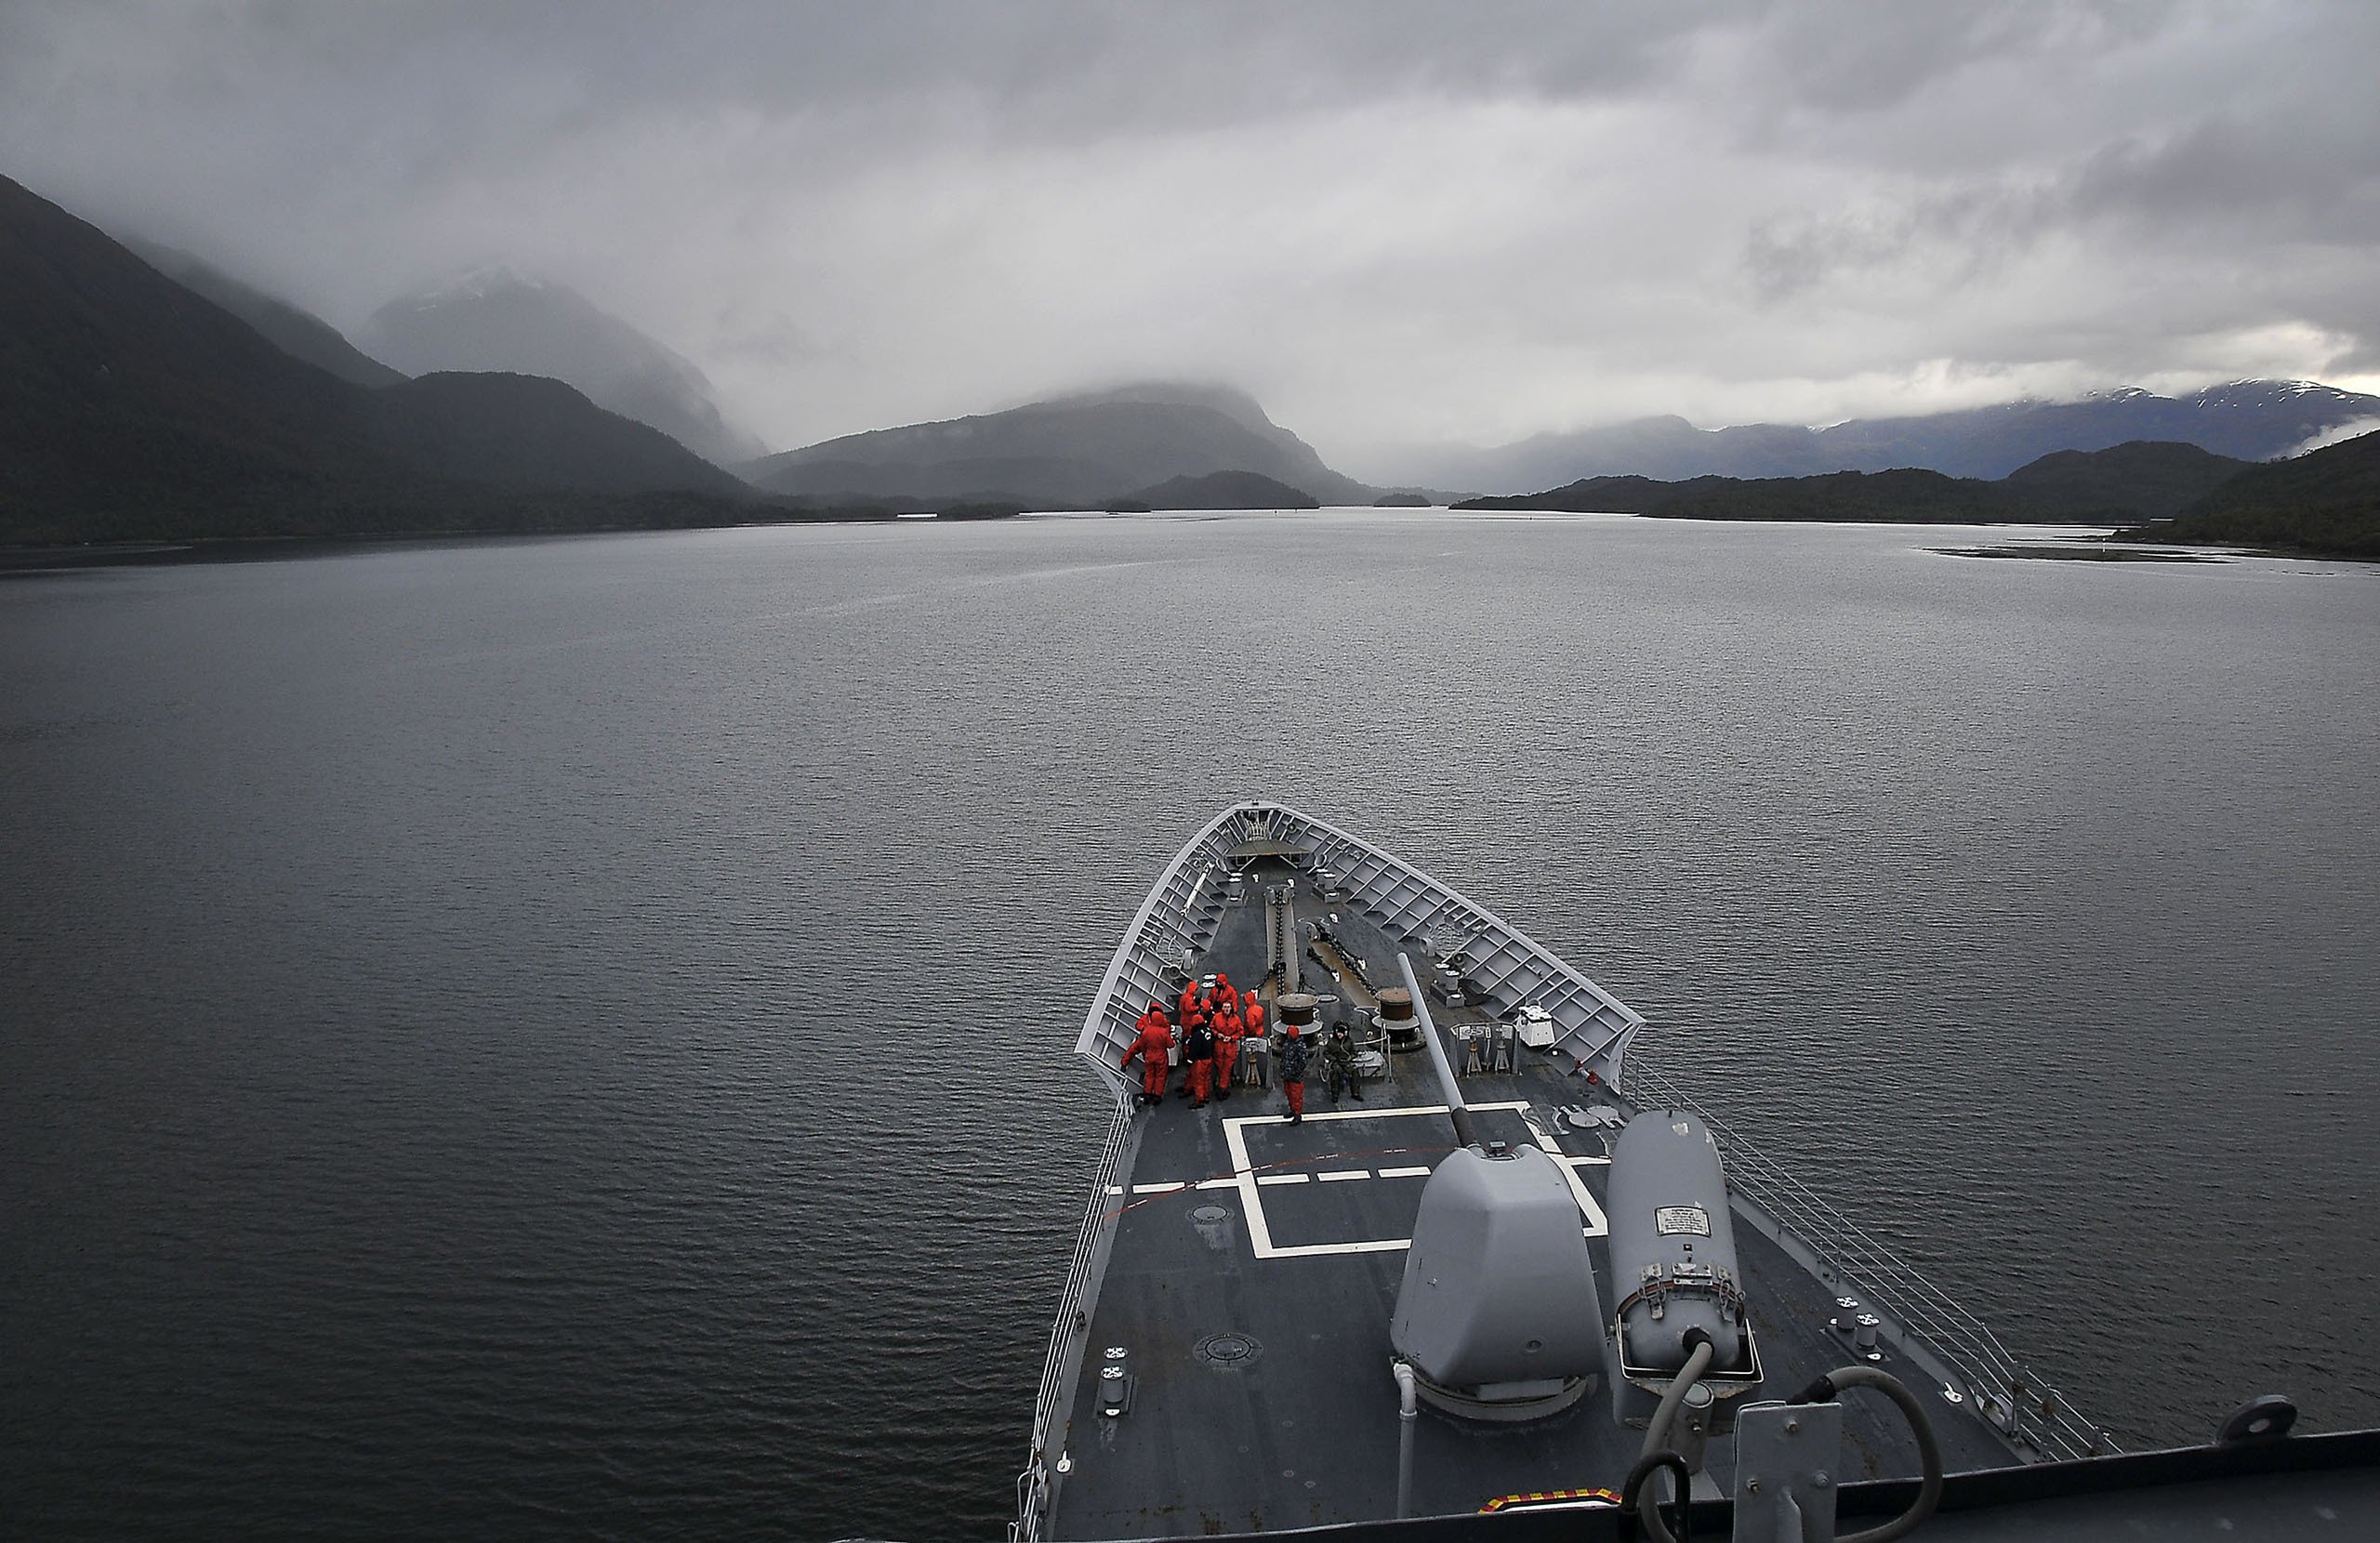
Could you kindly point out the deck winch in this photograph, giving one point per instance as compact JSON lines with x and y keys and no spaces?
{"x":1497,"y":1314}
{"x":1673,"y":1254}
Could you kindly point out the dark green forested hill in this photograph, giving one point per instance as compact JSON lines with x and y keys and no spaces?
{"x":1919,"y":496}
{"x":2125,"y":481}
{"x":2325,"y":502}
{"x":1225,"y":490}
{"x":527,"y":431}
{"x":131,"y":407}
{"x":2156,"y":478}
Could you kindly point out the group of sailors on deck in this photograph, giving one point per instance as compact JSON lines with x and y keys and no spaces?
{"x":1216,"y":1018}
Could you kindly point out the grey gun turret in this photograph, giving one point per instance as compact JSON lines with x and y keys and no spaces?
{"x":1674,"y":1259}
{"x":1498,"y":1313}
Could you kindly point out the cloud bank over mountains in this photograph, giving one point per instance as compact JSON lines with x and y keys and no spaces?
{"x":1393,"y":222}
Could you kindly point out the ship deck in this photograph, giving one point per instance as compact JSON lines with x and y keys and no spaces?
{"x":1254,"y":1267}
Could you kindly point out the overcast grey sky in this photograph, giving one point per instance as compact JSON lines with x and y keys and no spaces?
{"x":1391,"y":222}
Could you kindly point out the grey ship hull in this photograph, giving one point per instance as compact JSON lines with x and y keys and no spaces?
{"x":1246,"y":1268}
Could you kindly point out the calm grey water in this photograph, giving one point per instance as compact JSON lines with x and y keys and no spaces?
{"x":571,"y":1038}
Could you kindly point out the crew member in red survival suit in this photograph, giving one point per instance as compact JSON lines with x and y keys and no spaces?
{"x":1156,"y":1038}
{"x":1228,"y":1030}
{"x":1293,"y":1054}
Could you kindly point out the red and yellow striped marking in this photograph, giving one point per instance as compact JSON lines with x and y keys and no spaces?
{"x":1549,"y":1498}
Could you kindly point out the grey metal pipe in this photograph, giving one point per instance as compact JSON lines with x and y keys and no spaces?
{"x":1657,"y":1436}
{"x":1408,"y":1413}
{"x":1462,"y":1133}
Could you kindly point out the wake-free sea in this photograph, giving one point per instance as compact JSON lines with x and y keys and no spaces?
{"x":572,"y":1037}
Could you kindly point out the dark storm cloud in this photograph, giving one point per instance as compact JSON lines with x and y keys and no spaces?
{"x":1393,"y":220}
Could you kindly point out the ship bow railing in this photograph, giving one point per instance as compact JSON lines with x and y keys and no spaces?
{"x":2023,"y":1407}
{"x":1073,"y":1319}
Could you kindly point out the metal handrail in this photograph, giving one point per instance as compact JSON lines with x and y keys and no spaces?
{"x":1030,"y":1488}
{"x":2034,"y":1411}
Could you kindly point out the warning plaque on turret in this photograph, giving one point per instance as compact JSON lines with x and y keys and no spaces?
{"x":1682,"y":1219}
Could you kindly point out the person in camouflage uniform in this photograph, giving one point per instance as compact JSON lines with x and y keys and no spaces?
{"x":1339,"y":1065}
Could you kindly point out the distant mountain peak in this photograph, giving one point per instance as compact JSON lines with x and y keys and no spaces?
{"x":478,"y":282}
{"x":1072,"y":451}
{"x":1228,"y":400}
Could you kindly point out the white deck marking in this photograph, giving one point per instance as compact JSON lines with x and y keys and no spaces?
{"x":1159,"y":1189}
{"x":1283,"y":1177}
{"x":1598,"y":1223}
{"x":1405,"y":1173}
{"x":1218,"y":1183}
{"x":1260,"y":1228}
{"x":1339,"y":1176}
{"x":1115,"y":1189}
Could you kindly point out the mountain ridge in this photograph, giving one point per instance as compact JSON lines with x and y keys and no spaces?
{"x":1078,"y":450}
{"x":2325,"y":503}
{"x":495,"y":321}
{"x":2249,"y":420}
{"x":2123,"y":482}
{"x":297,"y":332}
{"x":132,"y":407}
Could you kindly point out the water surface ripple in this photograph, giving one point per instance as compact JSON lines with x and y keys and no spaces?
{"x":570,"y":1039}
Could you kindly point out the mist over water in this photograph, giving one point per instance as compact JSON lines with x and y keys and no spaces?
{"x":572,"y":1039}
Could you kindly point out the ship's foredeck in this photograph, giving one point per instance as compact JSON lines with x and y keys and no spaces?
{"x":1254,"y":1267}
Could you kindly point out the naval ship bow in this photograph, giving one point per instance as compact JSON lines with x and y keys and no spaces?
{"x":1510,"y":1282}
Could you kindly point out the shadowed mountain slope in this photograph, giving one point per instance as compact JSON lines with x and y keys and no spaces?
{"x":132,"y":407}
{"x":1224,"y":490}
{"x":2325,"y":502}
{"x":298,"y":333}
{"x":2144,"y":476}
{"x":496,"y":321}
{"x":526,"y":431}
{"x":2075,"y":486}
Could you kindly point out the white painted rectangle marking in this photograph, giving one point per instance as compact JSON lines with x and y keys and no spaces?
{"x":1283,"y":1178}
{"x":1158,"y":1189}
{"x":1260,"y":1229}
{"x":1339,"y":1176}
{"x":1405,"y":1173}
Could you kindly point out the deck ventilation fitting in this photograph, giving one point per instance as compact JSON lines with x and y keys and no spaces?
{"x":1228,"y":1350}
